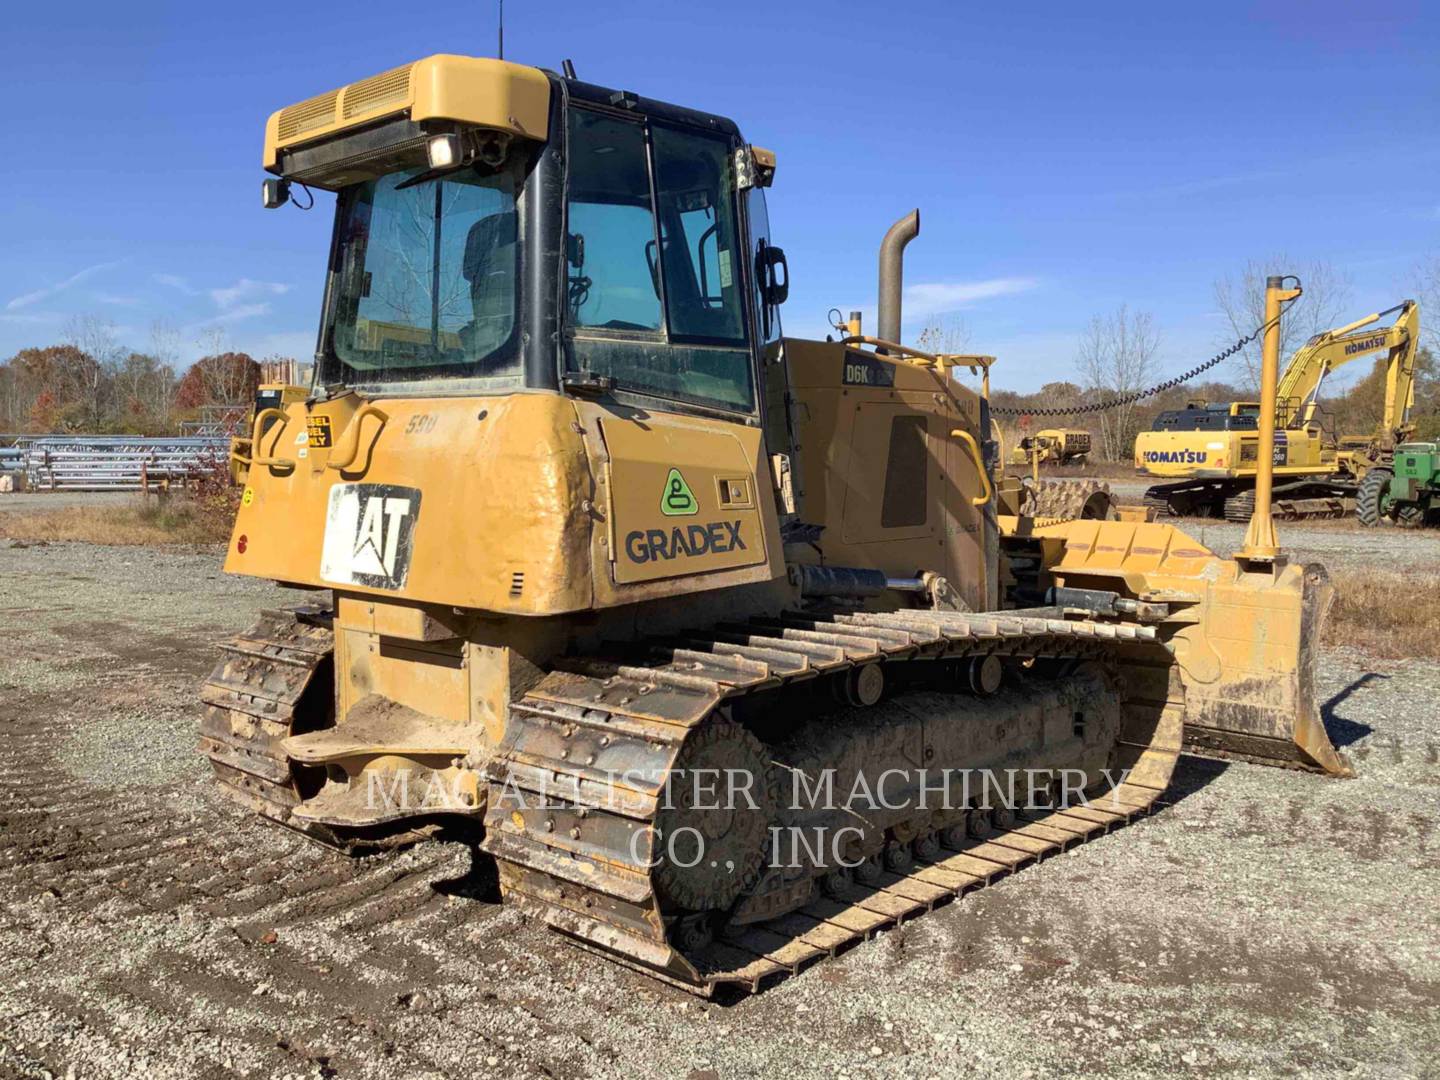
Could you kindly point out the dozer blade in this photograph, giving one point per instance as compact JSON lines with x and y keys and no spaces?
{"x":1244,"y":640}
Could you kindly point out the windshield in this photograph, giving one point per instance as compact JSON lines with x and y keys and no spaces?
{"x":426,"y":274}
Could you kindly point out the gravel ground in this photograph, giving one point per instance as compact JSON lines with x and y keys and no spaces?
{"x":1265,"y":924}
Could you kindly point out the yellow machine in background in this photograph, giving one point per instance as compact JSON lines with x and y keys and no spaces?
{"x":268,"y":395}
{"x":1053,"y":446}
{"x":1209,"y":453}
{"x":585,"y":529}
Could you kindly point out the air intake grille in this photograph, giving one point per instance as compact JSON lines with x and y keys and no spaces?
{"x":378,"y":91}
{"x":308,"y":115}
{"x":517,"y":582}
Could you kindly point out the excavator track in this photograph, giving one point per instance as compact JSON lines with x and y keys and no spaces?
{"x":1239,"y":508}
{"x":1159,"y":504}
{"x":272,"y":681}
{"x":573,"y":842}
{"x":1291,"y":502}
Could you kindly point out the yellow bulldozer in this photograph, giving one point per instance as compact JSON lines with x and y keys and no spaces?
{"x":691,"y":621}
{"x":274,"y":396}
{"x":1053,"y":446}
{"x":1208,"y":455}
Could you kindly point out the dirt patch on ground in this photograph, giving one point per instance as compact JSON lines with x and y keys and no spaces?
{"x":1266,"y":923}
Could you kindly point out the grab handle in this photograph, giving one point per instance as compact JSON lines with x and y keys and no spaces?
{"x":257,"y":458}
{"x":348,"y":447}
{"x":975,"y":455}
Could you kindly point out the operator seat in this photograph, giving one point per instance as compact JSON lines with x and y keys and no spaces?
{"x":489,"y":268}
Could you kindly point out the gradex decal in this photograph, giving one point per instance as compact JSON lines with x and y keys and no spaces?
{"x":368,"y":535}
{"x":678,"y":500}
{"x":716,"y":538}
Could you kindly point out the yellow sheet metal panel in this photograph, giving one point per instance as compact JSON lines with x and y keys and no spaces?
{"x":684,"y":496}
{"x":465,"y":502}
{"x":487,"y":93}
{"x":490,"y":93}
{"x":523,"y":504}
{"x":847,"y":403}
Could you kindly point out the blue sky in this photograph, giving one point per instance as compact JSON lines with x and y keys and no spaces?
{"x":1066,"y":158}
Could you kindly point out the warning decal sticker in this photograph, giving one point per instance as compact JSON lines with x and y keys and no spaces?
{"x":318,"y":428}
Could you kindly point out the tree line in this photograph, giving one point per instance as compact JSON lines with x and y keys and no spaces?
{"x":89,"y":383}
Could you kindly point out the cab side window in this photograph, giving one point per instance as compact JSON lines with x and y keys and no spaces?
{"x":655,"y":281}
{"x":611,"y":243}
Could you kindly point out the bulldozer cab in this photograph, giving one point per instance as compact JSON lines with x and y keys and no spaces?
{"x":556,"y":296}
{"x":441,"y":280}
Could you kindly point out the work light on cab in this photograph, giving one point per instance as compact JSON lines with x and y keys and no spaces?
{"x":443,"y":151}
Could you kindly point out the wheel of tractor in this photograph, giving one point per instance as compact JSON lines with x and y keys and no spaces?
{"x":1070,"y":500}
{"x":1369,"y":500}
{"x":1409,"y":515}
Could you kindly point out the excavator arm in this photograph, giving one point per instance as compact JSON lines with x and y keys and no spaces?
{"x":1303,"y":376}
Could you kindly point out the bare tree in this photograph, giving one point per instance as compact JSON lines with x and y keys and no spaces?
{"x":1241,"y":300}
{"x":165,"y":348}
{"x":165,"y":342}
{"x":226,"y":378}
{"x":1427,"y":290}
{"x":1117,"y":357}
{"x":92,"y":382}
{"x":944,"y":334}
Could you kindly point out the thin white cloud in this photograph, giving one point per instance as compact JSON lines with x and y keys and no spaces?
{"x":31,"y":319}
{"x":116,"y":300}
{"x":235,"y":314}
{"x":26,"y":299}
{"x":175,"y":281}
{"x":296,"y":343}
{"x":245,"y":288}
{"x":933,"y":298}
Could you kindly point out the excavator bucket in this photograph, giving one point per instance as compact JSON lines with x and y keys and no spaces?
{"x":1244,"y":637}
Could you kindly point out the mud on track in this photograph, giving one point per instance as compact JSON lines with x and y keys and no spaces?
{"x":1266,"y":923}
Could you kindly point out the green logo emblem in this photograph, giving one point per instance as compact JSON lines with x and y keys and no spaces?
{"x":678,"y":500}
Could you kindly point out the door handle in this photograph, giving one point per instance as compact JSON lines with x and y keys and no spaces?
{"x":974,"y":448}
{"x":346,"y":450}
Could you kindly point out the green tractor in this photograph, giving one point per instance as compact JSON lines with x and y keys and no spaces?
{"x":1407,"y":492}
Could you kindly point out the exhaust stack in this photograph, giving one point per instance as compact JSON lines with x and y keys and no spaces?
{"x":892,"y":273}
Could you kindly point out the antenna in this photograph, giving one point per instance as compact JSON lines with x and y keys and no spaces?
{"x":502,"y":29}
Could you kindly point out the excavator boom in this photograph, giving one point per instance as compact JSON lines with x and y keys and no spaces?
{"x":1299,"y":388}
{"x":1209,"y":458}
